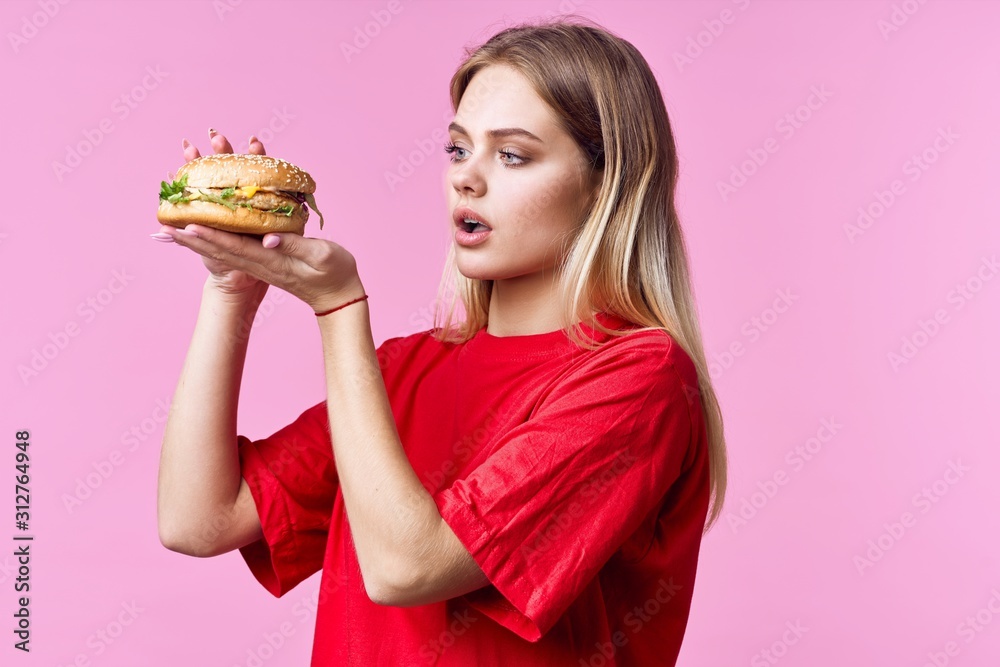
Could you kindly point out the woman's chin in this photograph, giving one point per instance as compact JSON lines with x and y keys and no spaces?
{"x":476,"y":271}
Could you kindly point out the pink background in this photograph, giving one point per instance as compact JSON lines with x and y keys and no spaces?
{"x":278,"y":70}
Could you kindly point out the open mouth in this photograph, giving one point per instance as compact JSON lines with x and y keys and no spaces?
{"x":471,"y":226}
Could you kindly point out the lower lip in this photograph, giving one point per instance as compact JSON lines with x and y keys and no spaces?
{"x":468,"y":239}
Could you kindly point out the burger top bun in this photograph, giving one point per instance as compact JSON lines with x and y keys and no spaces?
{"x":241,"y":169}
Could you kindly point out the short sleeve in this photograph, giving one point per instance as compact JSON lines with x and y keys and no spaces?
{"x":292,"y":477}
{"x":293,"y":481}
{"x":561,"y":492}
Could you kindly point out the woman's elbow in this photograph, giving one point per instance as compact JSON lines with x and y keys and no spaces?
{"x":180,"y":541}
{"x":393,"y":583}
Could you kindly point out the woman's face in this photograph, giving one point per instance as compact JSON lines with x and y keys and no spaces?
{"x":532,"y":192}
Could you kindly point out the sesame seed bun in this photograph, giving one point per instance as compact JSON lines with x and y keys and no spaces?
{"x":242,"y":220}
{"x":235,"y":170}
{"x":281,"y":183}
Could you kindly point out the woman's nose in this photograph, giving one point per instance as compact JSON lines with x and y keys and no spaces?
{"x":467,"y":177}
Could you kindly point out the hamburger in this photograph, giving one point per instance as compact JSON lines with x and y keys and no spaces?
{"x":239,"y":192}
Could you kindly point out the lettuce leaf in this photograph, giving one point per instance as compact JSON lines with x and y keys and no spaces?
{"x":217,"y":199}
{"x":174,"y":192}
{"x":286,"y":210}
{"x":312,"y":204}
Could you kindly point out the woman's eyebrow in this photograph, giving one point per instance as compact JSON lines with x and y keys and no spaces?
{"x":498,"y":133}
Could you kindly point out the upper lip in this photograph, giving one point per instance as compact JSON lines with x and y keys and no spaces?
{"x":463,"y":212}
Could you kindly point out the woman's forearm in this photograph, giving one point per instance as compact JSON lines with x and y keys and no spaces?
{"x":407,"y":553}
{"x":199,"y":474}
{"x":390,"y":511}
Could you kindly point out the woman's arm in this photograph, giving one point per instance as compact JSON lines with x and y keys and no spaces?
{"x":204,"y":508}
{"x":407,"y":553}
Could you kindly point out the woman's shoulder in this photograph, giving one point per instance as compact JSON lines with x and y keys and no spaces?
{"x":649,"y":345}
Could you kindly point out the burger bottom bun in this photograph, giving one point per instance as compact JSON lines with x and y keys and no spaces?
{"x":242,"y":220}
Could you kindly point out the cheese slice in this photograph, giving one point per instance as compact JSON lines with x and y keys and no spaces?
{"x":249,"y":190}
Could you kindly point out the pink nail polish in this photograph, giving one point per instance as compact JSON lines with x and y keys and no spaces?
{"x":162,"y":236}
{"x":185,"y":144}
{"x":212,"y":132}
{"x":271,"y":242}
{"x":185,"y":232}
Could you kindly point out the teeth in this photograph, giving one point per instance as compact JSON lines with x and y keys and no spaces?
{"x":475,"y":224}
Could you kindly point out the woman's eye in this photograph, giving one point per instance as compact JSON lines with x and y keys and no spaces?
{"x":451,"y":148}
{"x":509,"y":155}
{"x":506,"y":156}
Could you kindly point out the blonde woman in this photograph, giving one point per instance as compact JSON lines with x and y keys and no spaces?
{"x":527,"y":486}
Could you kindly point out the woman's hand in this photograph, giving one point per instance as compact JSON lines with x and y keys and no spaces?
{"x":224,"y":277}
{"x":319,"y":272}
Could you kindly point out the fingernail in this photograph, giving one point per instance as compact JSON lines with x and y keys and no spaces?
{"x":162,"y":236}
{"x":211,"y":132}
{"x":185,"y":144}
{"x":251,"y":139}
{"x":271,"y":242}
{"x":185,"y":232}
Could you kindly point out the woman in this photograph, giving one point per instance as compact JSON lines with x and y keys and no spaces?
{"x":527,"y":487}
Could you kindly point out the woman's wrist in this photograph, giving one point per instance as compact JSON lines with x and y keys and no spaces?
{"x":249,"y":299}
{"x":342,"y":298}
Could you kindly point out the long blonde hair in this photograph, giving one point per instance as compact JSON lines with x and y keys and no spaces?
{"x":628,"y":257}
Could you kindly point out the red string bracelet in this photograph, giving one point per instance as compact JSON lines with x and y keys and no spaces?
{"x":327,"y":312}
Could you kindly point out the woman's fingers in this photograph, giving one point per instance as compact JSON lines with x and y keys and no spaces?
{"x":190,"y":150}
{"x":256,"y":146}
{"x":219,"y":143}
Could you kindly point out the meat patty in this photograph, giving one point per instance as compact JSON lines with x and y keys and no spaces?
{"x":264,"y":200}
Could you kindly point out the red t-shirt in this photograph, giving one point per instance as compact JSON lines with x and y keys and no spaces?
{"x":577,"y":479}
